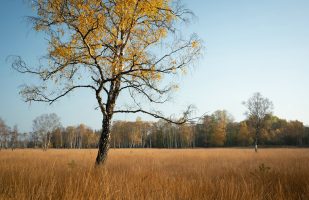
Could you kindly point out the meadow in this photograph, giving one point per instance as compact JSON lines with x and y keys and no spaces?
{"x":155,"y":174}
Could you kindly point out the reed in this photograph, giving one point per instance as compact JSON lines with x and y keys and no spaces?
{"x":155,"y":174}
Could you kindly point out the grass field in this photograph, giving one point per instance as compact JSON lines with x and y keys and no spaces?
{"x":155,"y":174}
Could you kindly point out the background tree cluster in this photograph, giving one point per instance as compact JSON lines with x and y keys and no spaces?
{"x":8,"y":136}
{"x":215,"y":130}
{"x":70,"y":137}
{"x":48,"y":133}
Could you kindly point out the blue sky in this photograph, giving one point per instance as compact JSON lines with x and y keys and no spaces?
{"x":250,"y":46}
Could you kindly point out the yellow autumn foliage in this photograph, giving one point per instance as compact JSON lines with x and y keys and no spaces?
{"x":124,"y":27}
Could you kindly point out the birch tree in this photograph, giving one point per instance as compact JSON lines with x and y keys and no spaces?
{"x":4,"y":134}
{"x":111,"y":47}
{"x":258,"y":108}
{"x":44,"y":125}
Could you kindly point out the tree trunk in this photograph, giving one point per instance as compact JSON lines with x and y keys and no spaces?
{"x":256,"y":140}
{"x":48,"y":140}
{"x":104,"y":142}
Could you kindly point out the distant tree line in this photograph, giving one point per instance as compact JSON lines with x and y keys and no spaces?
{"x":215,"y":130}
{"x":48,"y":133}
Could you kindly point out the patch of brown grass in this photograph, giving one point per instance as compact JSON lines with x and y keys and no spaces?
{"x":156,"y":174}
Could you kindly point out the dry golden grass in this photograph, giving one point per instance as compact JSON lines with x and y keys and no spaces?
{"x":155,"y":174}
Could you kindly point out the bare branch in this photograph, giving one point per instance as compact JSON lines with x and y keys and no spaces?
{"x":185,"y":116}
{"x":34,"y":93}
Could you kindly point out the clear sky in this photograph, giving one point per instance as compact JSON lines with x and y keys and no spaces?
{"x":250,"y":46}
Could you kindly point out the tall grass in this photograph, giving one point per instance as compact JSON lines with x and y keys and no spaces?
{"x":155,"y":174}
